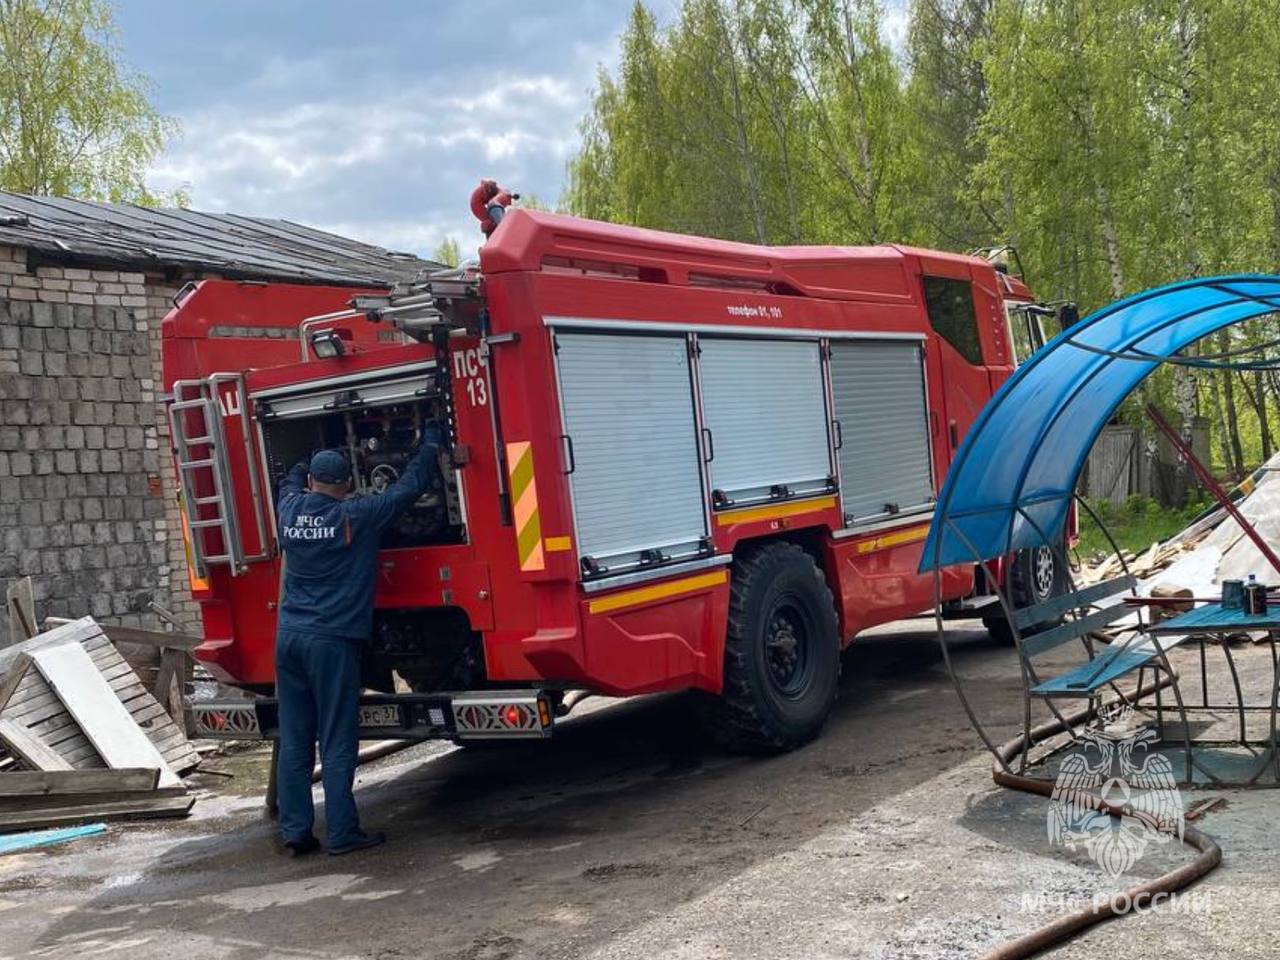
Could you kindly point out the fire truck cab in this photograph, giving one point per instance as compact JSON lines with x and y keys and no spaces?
{"x":675,"y":463}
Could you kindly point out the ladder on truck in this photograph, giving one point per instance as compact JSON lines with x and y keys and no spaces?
{"x":198,"y":434}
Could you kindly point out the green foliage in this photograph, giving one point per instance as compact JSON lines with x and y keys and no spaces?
{"x":1118,"y":144}
{"x":74,"y":121}
{"x":447,"y":253}
{"x":760,"y":120}
{"x":531,"y":201}
{"x":1136,"y":524}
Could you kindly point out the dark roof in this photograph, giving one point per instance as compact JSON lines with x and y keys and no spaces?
{"x":149,"y":238}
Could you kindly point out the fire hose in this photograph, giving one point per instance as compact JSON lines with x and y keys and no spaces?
{"x":1210,"y":854}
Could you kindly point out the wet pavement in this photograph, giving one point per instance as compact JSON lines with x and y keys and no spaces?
{"x":628,"y":835}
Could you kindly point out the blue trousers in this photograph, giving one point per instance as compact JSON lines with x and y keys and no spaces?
{"x":318,"y":686}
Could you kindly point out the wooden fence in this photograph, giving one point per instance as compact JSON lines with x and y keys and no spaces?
{"x":1124,"y":461}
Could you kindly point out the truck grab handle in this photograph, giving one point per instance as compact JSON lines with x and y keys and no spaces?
{"x":567,"y":442}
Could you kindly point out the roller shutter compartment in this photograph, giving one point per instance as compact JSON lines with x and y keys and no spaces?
{"x":879,"y":392}
{"x":627,"y":403}
{"x":763,"y":403}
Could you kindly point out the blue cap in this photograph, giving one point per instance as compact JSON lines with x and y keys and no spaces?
{"x":330,"y":466}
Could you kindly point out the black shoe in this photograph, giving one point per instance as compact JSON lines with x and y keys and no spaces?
{"x":300,"y":848}
{"x":362,"y":842}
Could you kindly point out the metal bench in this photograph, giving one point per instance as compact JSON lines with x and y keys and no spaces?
{"x":1099,"y":605}
{"x":1109,"y":666}
{"x":1114,"y":662}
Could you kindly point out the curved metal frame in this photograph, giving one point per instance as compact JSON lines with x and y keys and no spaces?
{"x":948,"y":536}
{"x":1027,"y":671}
{"x":1234,"y":298}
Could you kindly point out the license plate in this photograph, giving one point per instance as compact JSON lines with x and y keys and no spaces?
{"x":379,"y":715}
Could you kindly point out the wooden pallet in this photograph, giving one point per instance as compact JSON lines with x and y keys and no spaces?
{"x":35,"y":707}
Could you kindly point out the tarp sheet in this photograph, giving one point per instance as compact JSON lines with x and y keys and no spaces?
{"x":1012,"y":480}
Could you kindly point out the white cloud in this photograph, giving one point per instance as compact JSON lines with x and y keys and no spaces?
{"x":416,"y":236}
{"x":503,"y":95}
{"x":395,"y":171}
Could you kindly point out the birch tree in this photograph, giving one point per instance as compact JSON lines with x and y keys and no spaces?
{"x":74,"y":120}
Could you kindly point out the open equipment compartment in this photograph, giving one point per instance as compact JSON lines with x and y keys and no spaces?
{"x":377,"y":424}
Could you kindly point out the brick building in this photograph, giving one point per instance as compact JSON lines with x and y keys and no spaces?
{"x":88,"y":506}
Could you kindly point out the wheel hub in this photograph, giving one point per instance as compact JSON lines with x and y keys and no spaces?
{"x":786,"y":649}
{"x":1043,"y":572}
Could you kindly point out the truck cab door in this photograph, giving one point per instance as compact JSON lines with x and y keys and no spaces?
{"x":959,"y":348}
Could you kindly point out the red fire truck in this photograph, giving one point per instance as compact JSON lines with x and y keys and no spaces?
{"x":675,"y":463}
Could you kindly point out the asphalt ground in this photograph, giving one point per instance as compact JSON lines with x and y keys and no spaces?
{"x":628,"y":835}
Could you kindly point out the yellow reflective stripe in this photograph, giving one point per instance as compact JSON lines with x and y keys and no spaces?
{"x":556,"y":544}
{"x":524,"y":506}
{"x":774,"y":511}
{"x":196,"y":582}
{"x":659,"y":591}
{"x":895,"y":539}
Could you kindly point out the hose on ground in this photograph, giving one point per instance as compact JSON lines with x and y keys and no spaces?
{"x":1210,"y":854}
{"x":372,"y":751}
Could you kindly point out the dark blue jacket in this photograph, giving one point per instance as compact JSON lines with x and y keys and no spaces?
{"x":331,"y":549}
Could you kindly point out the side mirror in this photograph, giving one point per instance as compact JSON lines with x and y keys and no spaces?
{"x":1068,"y":316}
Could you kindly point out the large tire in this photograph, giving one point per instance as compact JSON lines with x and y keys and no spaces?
{"x":1036,"y":575}
{"x":782,"y":653}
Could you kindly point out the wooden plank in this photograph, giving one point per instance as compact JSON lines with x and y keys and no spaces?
{"x":31,"y":697}
{"x":55,"y":728}
{"x":30,"y":748}
{"x":36,"y":802}
{"x":1069,"y":629}
{"x":58,"y":728}
{"x":42,"y":783}
{"x":48,"y":722}
{"x":23,"y":702}
{"x":86,"y":813}
{"x":13,"y":679}
{"x":166,"y":739}
{"x":44,"y":714}
{"x":146,"y":714}
{"x":53,"y":707}
{"x":20,"y":601}
{"x":154,"y":638}
{"x":78,"y":630}
{"x":103,"y":718}
{"x":81,"y":755}
{"x":57,"y":733}
{"x":1110,"y":665}
{"x":181,"y":756}
{"x":46,"y":704}
{"x":168,"y":687}
{"x":1055,"y":607}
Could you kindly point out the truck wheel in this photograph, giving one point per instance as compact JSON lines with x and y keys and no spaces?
{"x":782,"y":653}
{"x":1034,"y":577}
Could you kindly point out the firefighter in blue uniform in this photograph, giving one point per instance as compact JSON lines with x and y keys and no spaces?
{"x":330,"y":542}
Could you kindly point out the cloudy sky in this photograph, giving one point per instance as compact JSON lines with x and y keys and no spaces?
{"x":375,"y":118}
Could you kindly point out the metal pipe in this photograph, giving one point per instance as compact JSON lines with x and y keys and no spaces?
{"x":1205,"y":477}
{"x":308,"y":322}
{"x":373,"y":751}
{"x":1210,"y":854}
{"x":1007,"y":606}
{"x":406,"y":305}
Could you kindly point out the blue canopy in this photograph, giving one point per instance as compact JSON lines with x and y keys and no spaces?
{"x":1013,"y":478}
